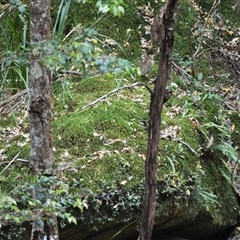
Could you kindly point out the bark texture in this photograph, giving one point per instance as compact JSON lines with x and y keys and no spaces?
{"x":41,"y":153}
{"x":163,"y":27}
{"x":41,"y":156}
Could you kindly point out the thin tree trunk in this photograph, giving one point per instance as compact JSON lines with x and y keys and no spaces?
{"x":40,"y":89}
{"x":163,"y":27}
{"x":41,"y":152}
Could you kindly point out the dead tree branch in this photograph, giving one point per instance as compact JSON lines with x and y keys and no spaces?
{"x":115,"y":91}
{"x":163,"y":30}
{"x":9,"y":164}
{"x":71,"y":72}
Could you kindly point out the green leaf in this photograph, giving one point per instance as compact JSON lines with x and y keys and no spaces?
{"x":200,"y":76}
{"x":79,"y":204}
{"x":8,"y":217}
{"x":16,"y":220}
{"x":74,"y":220}
{"x":103,"y":9}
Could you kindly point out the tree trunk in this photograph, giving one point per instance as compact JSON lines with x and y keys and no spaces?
{"x":163,"y":27}
{"x":41,"y":152}
{"x":40,"y":90}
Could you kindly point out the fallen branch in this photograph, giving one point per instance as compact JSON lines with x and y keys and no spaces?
{"x":22,"y":160}
{"x":9,"y":163}
{"x":228,"y":106}
{"x":224,"y":52}
{"x":16,"y":160}
{"x":115,"y":91}
{"x":71,"y":72}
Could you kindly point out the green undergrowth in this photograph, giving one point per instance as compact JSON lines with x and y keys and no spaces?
{"x":100,"y":150}
{"x":125,"y":29}
{"x":7,"y":122}
{"x":184,"y":41}
{"x":122,"y":29}
{"x":235,"y":118}
{"x":108,"y":144}
{"x":224,"y":9}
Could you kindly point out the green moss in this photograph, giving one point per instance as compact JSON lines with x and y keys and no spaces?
{"x":15,"y":175}
{"x":107,"y":140}
{"x":107,"y":147}
{"x":14,"y":149}
{"x":118,"y":26}
{"x":8,"y":122}
{"x":202,"y":66}
{"x":117,"y":120}
{"x":96,"y":84}
{"x":71,"y":99}
{"x":123,"y":170}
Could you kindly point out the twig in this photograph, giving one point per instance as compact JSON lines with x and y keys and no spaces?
{"x":187,"y":145}
{"x":181,"y":70}
{"x":218,"y":50}
{"x":228,"y":106}
{"x":22,"y":160}
{"x":205,"y":50}
{"x":71,"y":72}
{"x":17,"y":160}
{"x":117,"y":90}
{"x":76,"y":28}
{"x":10,"y":163}
{"x":215,"y":4}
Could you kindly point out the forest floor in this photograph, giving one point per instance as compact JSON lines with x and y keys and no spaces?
{"x":100,"y":148}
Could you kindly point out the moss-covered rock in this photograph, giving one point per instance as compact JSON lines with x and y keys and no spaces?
{"x":100,"y":150}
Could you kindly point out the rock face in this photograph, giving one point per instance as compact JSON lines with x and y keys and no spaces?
{"x":186,"y":224}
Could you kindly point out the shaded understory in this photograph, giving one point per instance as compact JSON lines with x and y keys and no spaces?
{"x":100,"y":151}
